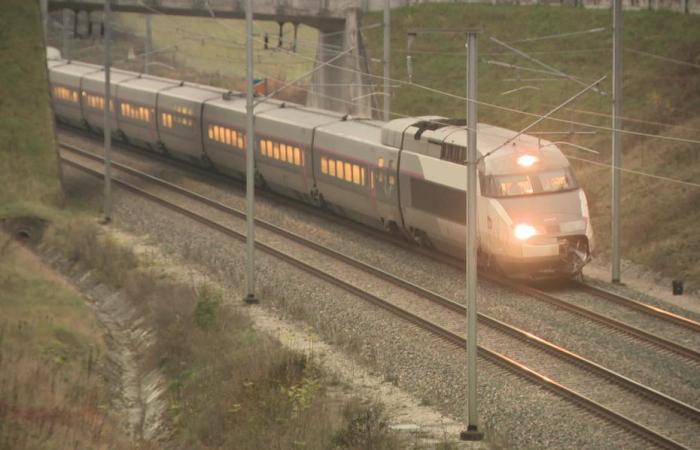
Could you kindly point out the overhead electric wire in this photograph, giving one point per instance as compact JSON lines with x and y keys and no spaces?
{"x":598,"y":163}
{"x":663,"y":58}
{"x":636,"y":172}
{"x":561,"y":35}
{"x":486,"y":104}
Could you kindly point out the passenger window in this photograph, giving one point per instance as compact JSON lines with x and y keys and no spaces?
{"x":356,"y":174}
{"x":348,"y":172}
{"x":331,"y":167}
{"x":380,"y":162}
{"x":392,"y":180}
{"x":371,"y":179}
{"x":297,"y":158}
{"x":276,"y":150}
{"x":362,"y":175}
{"x":339,"y":169}
{"x":290,"y":155}
{"x":227,"y":136}
{"x":324,"y":165}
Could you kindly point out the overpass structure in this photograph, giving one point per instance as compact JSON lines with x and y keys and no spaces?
{"x":342,"y":86}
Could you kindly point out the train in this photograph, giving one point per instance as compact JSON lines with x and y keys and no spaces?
{"x":406,"y":176}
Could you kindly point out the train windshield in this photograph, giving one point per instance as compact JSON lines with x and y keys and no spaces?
{"x":528,"y":183}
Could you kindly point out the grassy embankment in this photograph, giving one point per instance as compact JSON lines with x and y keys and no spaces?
{"x":52,"y":393}
{"x":28,"y":168}
{"x":659,"y":218}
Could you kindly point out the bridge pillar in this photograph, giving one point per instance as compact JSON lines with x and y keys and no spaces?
{"x":343,"y":86}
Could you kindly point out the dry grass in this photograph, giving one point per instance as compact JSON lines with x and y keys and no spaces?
{"x":229,"y":386}
{"x":52,"y":391}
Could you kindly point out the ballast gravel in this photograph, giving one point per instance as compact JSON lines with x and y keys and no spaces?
{"x":514,"y":413}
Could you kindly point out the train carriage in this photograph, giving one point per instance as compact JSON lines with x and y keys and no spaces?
{"x":65,"y":78}
{"x":405,"y":175}
{"x":93,"y":97}
{"x":180,"y":110}
{"x":285,"y":137}
{"x":356,"y":174}
{"x":224,"y":128}
{"x":136,"y":101}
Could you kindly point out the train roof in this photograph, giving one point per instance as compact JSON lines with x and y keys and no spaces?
{"x":115,"y":75}
{"x":366,"y":131}
{"x":148,"y":84}
{"x":73,"y":67}
{"x":194,"y":93}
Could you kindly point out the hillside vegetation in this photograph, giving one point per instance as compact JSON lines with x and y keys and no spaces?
{"x":659,"y":218}
{"x":28,"y":168}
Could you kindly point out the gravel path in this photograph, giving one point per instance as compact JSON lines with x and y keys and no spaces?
{"x":515,"y":413}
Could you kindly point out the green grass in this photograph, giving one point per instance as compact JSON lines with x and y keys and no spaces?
{"x":28,"y":167}
{"x":219,"y":46}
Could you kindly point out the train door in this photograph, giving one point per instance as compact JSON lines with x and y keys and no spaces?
{"x":384,"y":189}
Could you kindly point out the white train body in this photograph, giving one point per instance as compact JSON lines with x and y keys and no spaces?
{"x":405,"y":176}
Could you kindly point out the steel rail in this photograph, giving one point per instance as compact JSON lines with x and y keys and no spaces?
{"x":639,"y":306}
{"x":453,"y":338}
{"x":625,"y":328}
{"x":539,"y":294}
{"x":560,"y":352}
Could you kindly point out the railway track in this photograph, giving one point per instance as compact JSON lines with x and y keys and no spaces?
{"x":559,"y":363}
{"x":674,"y":334}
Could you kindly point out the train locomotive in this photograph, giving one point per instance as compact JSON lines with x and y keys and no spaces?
{"x":405,"y":176}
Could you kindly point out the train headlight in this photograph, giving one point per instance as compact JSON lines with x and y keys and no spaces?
{"x":524,"y":231}
{"x":527,"y":160}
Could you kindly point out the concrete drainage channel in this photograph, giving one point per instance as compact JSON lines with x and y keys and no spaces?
{"x":137,"y":386}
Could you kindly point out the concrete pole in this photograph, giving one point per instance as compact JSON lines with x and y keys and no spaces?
{"x":472,"y":432}
{"x":66,"y":33}
{"x":616,"y":138}
{"x":148,"y":45}
{"x":250,"y":159}
{"x":107,"y":113}
{"x":387,"y":57}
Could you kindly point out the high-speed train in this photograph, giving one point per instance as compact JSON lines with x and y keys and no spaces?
{"x":405,"y":176}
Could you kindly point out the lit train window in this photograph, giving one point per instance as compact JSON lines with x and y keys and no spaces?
{"x":340,"y":172}
{"x":380,"y":162}
{"x":227,"y":136}
{"x":167,"y":120}
{"x":343,"y":170}
{"x":65,"y":94}
{"x":282,"y":152}
{"x":554,"y":181}
{"x":141,"y":113}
